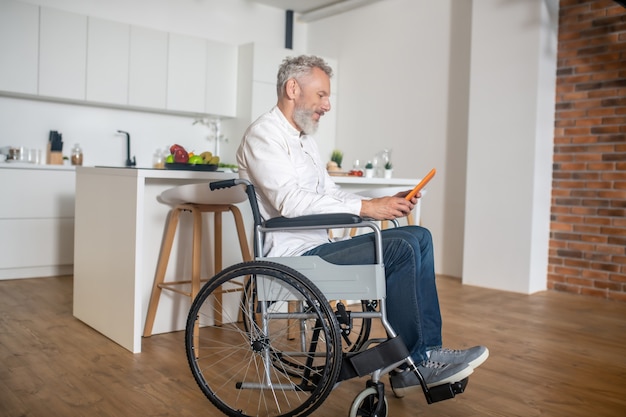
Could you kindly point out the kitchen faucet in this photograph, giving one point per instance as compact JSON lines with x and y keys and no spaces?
{"x":129,"y":162}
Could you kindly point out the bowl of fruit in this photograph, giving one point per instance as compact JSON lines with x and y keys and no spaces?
{"x":179,"y":158}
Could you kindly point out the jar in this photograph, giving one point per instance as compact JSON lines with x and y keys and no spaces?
{"x":77,"y":155}
{"x":158,"y":159}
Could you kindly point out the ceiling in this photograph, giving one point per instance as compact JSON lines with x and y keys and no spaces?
{"x":310,"y":10}
{"x":299,"y":6}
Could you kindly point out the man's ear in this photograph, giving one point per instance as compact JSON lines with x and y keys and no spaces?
{"x":292,"y":88}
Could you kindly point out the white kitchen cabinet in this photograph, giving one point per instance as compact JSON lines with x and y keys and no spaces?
{"x":55,"y":55}
{"x":148,"y":68}
{"x":256,"y":89}
{"x":36,"y":221}
{"x":62,"y":54}
{"x":19,"y":47}
{"x":107,"y":61}
{"x":186,"y":86}
{"x":221,"y":79}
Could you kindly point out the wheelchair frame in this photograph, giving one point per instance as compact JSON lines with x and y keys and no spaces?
{"x":263,"y":340}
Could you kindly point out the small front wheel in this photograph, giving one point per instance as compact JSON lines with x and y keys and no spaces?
{"x":366,"y":402}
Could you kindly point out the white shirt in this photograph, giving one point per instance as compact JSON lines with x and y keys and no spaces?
{"x":290,"y":180}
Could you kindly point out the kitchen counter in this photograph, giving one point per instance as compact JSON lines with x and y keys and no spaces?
{"x":118,"y":229}
{"x":36,"y":220}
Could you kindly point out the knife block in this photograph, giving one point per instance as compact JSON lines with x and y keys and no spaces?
{"x":53,"y":158}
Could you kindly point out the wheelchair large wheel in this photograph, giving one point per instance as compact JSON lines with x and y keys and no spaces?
{"x":283,"y":362}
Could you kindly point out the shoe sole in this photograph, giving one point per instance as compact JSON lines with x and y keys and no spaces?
{"x":402,"y":391}
{"x":479,"y":360}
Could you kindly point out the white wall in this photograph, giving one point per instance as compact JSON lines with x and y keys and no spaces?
{"x":404,"y":86}
{"x":468,"y":88}
{"x":510,"y":145}
{"x":27,"y":123}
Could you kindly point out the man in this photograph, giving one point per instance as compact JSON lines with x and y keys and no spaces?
{"x":280,"y":157}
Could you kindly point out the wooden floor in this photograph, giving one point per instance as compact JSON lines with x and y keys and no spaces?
{"x":552,"y":354}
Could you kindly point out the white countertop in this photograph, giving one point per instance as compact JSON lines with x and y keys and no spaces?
{"x":154,"y":173}
{"x":374,"y":181}
{"x":193,"y":174}
{"x":28,"y":165}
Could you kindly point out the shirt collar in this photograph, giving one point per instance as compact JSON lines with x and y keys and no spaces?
{"x":285,"y":123}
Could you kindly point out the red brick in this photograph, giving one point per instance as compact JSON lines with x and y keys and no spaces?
{"x":601,"y":166}
{"x":618,"y":259}
{"x":601,"y":112}
{"x":602,"y":275}
{"x":605,"y":285}
{"x":618,"y":278}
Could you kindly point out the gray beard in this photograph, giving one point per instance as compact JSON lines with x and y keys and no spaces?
{"x":305,"y":122}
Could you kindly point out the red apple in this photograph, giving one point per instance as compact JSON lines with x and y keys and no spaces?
{"x":181,"y":156}
{"x":175,"y":147}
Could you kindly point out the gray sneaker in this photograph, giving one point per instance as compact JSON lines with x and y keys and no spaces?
{"x":474,"y":356}
{"x":434,"y":373}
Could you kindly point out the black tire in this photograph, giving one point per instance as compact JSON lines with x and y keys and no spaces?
{"x":365,"y":403}
{"x":232,"y":362}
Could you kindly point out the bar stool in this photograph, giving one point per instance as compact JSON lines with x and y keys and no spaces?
{"x":196,"y":199}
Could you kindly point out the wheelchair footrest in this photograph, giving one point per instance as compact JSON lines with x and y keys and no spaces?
{"x":365,"y":362}
{"x":446,"y":391}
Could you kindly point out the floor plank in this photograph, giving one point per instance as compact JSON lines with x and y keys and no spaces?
{"x":552,"y":354}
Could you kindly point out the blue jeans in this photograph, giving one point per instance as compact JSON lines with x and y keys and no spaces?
{"x":412,"y":301}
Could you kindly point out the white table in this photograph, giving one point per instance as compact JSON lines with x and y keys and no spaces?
{"x":118,"y":230}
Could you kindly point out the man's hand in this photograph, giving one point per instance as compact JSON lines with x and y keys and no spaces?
{"x":388,"y":208}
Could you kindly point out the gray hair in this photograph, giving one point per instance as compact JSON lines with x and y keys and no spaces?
{"x":297,"y":67}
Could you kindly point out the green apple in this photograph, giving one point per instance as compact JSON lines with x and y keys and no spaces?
{"x":196,"y":160}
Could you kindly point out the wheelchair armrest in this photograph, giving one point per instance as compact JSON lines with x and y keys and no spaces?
{"x":321,"y":220}
{"x":318,"y":221}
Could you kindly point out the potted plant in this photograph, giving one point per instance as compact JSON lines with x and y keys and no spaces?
{"x":388,"y":169}
{"x":369,"y":170}
{"x":337,"y":157}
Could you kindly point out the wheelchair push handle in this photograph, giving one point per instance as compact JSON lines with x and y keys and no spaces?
{"x":216,"y":185}
{"x":256,"y":214}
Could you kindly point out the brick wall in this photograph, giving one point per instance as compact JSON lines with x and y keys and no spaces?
{"x":588,"y":221}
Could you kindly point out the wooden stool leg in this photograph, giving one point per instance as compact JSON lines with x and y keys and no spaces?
{"x":217,"y":262}
{"x":164,"y":256}
{"x":292,"y":307}
{"x":246,"y":255}
{"x":196,"y":253}
{"x":196,"y":263}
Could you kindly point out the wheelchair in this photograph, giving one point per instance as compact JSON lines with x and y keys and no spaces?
{"x":263,"y":339}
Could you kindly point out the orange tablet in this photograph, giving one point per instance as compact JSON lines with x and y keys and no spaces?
{"x":421,"y":184}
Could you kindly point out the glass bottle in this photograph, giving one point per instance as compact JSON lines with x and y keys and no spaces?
{"x":77,"y":155}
